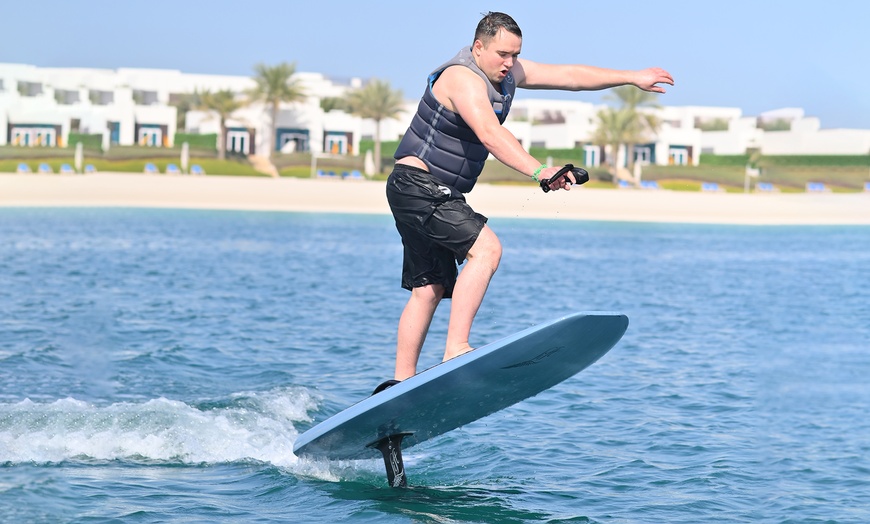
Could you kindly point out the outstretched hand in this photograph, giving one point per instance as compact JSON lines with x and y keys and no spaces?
{"x":647,"y":79}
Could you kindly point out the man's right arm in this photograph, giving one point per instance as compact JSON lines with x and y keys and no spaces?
{"x":464,"y":92}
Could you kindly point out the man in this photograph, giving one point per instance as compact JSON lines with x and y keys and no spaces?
{"x":457,"y":125}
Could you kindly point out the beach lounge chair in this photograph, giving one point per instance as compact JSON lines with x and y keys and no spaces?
{"x":766,"y":187}
{"x":45,"y":168}
{"x":354,"y":175}
{"x":624,"y":184}
{"x":151,"y":169}
{"x":649,"y":184}
{"x":816,"y":187}
{"x":90,"y":168}
{"x":66,"y":169}
{"x":172,"y":169}
{"x":711,"y":187}
{"x":23,"y":168}
{"x":867,"y":187}
{"x":196,"y":169}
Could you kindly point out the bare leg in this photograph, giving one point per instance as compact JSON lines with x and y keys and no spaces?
{"x":413,"y":327}
{"x":471,"y":286}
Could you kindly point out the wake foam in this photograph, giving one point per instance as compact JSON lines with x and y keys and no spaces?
{"x":248,"y":426}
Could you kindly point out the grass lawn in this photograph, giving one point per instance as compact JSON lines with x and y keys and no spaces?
{"x":210,"y":165}
{"x":730,"y":178}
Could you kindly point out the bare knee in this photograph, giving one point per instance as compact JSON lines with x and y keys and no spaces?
{"x":487,"y":248}
{"x":428,"y":295}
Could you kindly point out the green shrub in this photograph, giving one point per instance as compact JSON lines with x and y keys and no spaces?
{"x":388,"y":148}
{"x":815,"y":160}
{"x":90,"y":141}
{"x":230,"y":167}
{"x":708,"y":159}
{"x":211,"y":166}
{"x":207,"y":141}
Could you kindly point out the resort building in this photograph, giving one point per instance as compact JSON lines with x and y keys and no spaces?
{"x":784,"y":132}
{"x":41,"y":107}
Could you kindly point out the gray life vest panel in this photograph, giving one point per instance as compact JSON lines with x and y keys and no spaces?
{"x":441,"y":138}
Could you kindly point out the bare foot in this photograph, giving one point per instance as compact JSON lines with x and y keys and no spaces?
{"x":455,"y":352}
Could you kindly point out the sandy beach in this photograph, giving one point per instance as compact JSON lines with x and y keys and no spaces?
{"x":268,"y":194}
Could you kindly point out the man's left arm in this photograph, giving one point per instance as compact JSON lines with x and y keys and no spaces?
{"x":533,"y":75}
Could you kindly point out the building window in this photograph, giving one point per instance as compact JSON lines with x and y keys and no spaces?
{"x":678,"y":156}
{"x":643,"y":155}
{"x":591,"y":155}
{"x":144,"y":98}
{"x":66,"y":97}
{"x":292,"y":140}
{"x":29,"y":88}
{"x":337,"y":143}
{"x":151,"y":135}
{"x":114,"y":133}
{"x":238,"y":141}
{"x":101,"y":98}
{"x":711,"y":124}
{"x":34,"y":135}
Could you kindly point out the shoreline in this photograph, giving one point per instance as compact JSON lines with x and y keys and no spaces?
{"x":368,"y":197}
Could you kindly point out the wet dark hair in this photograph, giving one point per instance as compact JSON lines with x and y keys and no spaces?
{"x":491,"y":22}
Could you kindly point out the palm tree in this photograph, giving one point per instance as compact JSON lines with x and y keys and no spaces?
{"x":184,"y":102}
{"x":331,"y":102}
{"x":376,"y":101}
{"x":614,"y":129}
{"x":224,"y":103}
{"x":637,"y":123}
{"x":275,"y":84}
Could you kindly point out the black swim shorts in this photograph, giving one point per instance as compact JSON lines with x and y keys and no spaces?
{"x":437,"y":227}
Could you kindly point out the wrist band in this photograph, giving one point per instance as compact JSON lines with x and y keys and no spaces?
{"x":538,"y":172}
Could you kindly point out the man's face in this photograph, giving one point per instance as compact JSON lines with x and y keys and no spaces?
{"x":497,"y":57}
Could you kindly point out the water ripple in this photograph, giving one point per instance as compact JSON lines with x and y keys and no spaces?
{"x":158,"y":363}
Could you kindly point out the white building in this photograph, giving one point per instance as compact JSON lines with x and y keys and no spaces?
{"x":802,"y":136}
{"x":566,"y":124}
{"x":41,"y":106}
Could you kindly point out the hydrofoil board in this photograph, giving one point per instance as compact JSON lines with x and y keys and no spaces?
{"x":462,"y":390}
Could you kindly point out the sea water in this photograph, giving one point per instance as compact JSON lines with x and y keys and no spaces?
{"x":158,"y":365}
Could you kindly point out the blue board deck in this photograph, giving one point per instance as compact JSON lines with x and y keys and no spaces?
{"x":466,"y":388}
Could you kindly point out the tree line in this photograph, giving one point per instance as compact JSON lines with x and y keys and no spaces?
{"x":276,"y":85}
{"x":622,"y":125}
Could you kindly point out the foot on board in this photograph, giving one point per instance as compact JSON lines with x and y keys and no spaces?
{"x":457,"y":352}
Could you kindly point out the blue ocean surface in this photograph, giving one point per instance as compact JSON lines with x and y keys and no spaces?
{"x":158,"y":365}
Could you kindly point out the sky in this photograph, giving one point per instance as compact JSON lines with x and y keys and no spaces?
{"x":756,"y":55}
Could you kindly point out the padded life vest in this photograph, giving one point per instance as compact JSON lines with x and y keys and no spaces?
{"x":441,"y":138}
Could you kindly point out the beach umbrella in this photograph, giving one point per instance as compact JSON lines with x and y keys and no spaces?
{"x":185,"y":157}
{"x":369,"y":163}
{"x":79,"y":157}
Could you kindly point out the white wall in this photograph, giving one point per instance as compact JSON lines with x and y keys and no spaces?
{"x":579,"y":118}
{"x":741,"y":134}
{"x":816,"y":142}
